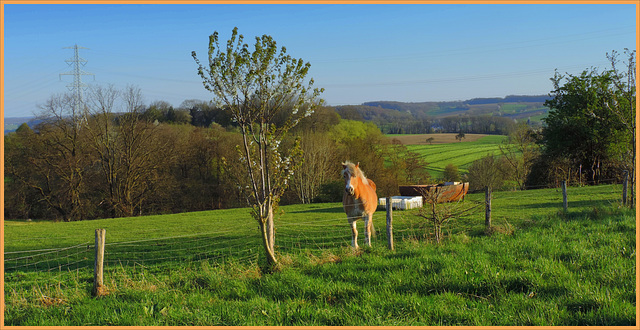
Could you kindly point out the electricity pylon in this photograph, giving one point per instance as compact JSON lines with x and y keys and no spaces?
{"x":77,"y":86}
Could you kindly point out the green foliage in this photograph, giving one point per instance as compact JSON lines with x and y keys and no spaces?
{"x":451,"y":173}
{"x":348,"y":131}
{"x":589,"y":124}
{"x":163,"y":112}
{"x":23,"y":128}
{"x":331,"y":191}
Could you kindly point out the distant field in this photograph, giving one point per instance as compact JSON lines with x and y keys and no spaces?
{"x":440,"y":138}
{"x":447,"y":150}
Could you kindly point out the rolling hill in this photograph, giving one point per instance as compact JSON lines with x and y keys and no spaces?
{"x":512,"y":106}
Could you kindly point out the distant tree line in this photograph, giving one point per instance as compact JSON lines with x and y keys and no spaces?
{"x":397,"y":122}
{"x":420,"y":108}
{"x":120,"y":158}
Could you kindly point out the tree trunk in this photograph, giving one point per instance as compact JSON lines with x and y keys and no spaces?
{"x":437,"y":226}
{"x":268,"y":237}
{"x":271,"y":237}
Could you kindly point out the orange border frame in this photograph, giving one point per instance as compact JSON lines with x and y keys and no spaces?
{"x":3,"y":2}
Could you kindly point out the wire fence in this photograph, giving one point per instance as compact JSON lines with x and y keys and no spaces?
{"x":240,"y":241}
{"x":67,"y":258}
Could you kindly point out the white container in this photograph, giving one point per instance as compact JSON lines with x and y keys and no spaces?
{"x":402,"y":202}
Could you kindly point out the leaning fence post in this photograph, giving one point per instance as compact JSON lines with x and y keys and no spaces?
{"x":98,"y":280}
{"x":565,"y":203}
{"x":389,"y":223}
{"x":487,"y":208}
{"x":625,"y":186}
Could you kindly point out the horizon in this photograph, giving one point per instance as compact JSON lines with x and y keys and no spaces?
{"x":364,"y":103}
{"x":358,"y":53}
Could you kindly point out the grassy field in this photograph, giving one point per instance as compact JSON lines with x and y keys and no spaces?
{"x":540,"y":266}
{"x":446,"y":150}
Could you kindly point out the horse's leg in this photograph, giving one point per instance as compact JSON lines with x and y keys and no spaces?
{"x":367,"y":229}
{"x":354,"y":233}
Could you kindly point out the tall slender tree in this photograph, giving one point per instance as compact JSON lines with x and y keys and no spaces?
{"x":259,"y":88}
{"x":623,"y":108}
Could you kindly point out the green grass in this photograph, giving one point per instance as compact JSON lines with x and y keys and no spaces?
{"x":461,"y":154}
{"x":512,"y":108}
{"x":540,"y":266}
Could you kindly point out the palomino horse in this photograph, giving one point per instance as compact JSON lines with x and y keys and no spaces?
{"x":359,"y":201}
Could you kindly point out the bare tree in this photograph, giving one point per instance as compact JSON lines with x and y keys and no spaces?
{"x":51,"y":160}
{"x":439,"y":214}
{"x":257,"y":87}
{"x":623,"y":107}
{"x":103,"y":138}
{"x":318,"y":160}
{"x":486,"y":172}
{"x":125,"y":146}
{"x":520,"y":153}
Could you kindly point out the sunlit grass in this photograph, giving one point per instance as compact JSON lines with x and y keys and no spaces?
{"x":541,"y":266}
{"x":461,"y":154}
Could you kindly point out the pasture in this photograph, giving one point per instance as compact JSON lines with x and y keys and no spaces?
{"x":540,"y":266}
{"x":445,"y":149}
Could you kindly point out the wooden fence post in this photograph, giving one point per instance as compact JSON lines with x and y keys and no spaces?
{"x":487,"y":208}
{"x":98,"y":280}
{"x":389,"y":223}
{"x":565,"y":203}
{"x":625,"y":186}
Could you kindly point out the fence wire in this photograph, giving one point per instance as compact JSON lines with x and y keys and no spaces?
{"x":243,"y":243}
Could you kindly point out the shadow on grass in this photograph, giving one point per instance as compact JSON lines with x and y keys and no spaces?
{"x":571,"y":204}
{"x":337,"y":209}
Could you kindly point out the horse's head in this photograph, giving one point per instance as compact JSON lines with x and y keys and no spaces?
{"x":349,"y":172}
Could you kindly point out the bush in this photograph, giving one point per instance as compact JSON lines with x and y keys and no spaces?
{"x":330,"y":192}
{"x":451,"y":173}
{"x":486,"y":172}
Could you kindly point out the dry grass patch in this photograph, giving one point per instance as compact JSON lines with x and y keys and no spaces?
{"x":440,"y":138}
{"x":47,"y":301}
{"x":326,"y":258}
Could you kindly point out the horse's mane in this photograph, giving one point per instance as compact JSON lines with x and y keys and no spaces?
{"x":355,"y":171}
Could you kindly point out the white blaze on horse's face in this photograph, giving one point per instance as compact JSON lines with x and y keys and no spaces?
{"x":348,"y":187}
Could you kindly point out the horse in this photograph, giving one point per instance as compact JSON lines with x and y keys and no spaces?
{"x":359,"y":201}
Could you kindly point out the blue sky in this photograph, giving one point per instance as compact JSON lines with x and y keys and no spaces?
{"x":358,"y":53}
